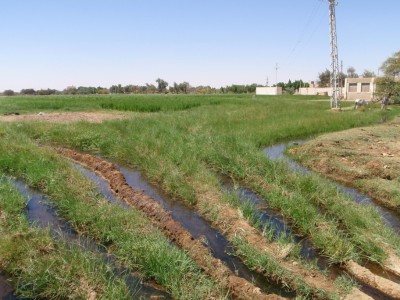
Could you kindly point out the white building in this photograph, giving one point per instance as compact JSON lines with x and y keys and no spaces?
{"x":275,"y":90}
{"x":354,"y":88}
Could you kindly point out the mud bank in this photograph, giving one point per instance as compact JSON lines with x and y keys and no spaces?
{"x":197,"y":226}
{"x":392,"y":264}
{"x":200,"y":229}
{"x":276,"y":223}
{"x":363,"y":158}
{"x":277,"y":152}
{"x":238,"y":287}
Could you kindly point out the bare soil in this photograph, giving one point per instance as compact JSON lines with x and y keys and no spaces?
{"x":365,"y":158}
{"x":65,"y":117}
{"x":239,"y":287}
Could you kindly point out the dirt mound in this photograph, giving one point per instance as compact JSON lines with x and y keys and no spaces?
{"x":364,"y":158}
{"x":64,"y":117}
{"x":239,"y":287}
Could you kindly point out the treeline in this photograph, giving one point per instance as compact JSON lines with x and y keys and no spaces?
{"x":291,"y":87}
{"x":161,"y":87}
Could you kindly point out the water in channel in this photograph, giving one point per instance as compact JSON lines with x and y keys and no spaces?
{"x":196,"y":225}
{"x":273,"y":221}
{"x":391,"y":217}
{"x":41,"y":213}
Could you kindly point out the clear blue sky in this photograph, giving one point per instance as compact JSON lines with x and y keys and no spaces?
{"x":57,"y":43}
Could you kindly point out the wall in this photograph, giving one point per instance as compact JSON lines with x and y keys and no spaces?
{"x":269,"y":90}
{"x":317,"y":91}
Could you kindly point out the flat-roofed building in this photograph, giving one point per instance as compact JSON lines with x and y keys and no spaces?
{"x":269,"y":90}
{"x":359,"y":88}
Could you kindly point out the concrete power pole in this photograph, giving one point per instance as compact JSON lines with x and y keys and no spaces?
{"x":335,"y":100}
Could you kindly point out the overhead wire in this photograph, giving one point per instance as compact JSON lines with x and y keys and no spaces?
{"x":305,"y":30}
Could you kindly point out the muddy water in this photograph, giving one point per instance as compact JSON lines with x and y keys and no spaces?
{"x":196,"y":225}
{"x":41,"y":213}
{"x":391,"y":217}
{"x":6,"y":290}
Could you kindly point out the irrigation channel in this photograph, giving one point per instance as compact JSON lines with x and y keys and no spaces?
{"x":198,"y":227}
{"x":391,"y":218}
{"x":43,"y":214}
{"x":276,"y":223}
{"x":200,"y":252}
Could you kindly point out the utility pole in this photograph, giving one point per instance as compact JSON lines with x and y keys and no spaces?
{"x":335,"y":100}
{"x":276,"y":73}
{"x":267,"y":81}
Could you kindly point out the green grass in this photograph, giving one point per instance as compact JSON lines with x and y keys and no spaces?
{"x":185,"y":150}
{"x":131,"y":238}
{"x":137,"y":103}
{"x":42,"y":267}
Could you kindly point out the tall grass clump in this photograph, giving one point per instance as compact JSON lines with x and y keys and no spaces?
{"x":131,"y":238}
{"x":43,"y":268}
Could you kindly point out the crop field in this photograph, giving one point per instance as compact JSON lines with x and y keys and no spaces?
{"x":172,"y":197}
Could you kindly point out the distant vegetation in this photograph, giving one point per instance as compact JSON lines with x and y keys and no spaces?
{"x":161,"y":87}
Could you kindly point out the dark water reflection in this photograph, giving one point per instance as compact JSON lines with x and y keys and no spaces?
{"x":6,"y":289}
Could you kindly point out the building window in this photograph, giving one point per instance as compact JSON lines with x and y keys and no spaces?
{"x":365,"y":87}
{"x":352,"y":87}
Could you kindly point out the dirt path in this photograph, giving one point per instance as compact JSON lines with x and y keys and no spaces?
{"x":239,"y":287}
{"x":64,"y":117}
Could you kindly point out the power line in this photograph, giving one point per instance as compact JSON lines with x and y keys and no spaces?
{"x":304,"y":30}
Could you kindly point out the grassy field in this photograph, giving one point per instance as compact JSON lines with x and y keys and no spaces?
{"x":184,"y":144}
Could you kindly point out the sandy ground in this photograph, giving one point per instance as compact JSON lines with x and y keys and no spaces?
{"x":65,"y":117}
{"x":366,"y":158}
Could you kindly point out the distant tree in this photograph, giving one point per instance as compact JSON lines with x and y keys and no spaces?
{"x":324,"y":78}
{"x":161,"y":85}
{"x":388,"y":85}
{"x":70,"y":90}
{"x":368,"y":74}
{"x":83,"y":90}
{"x":101,"y":90}
{"x":46,"y":92}
{"x":27,"y":92}
{"x":391,"y":66}
{"x":8,"y":93}
{"x":116,"y":89}
{"x":184,"y":87}
{"x":151,"y":88}
{"x":176,"y":88}
{"x":351,"y":72}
